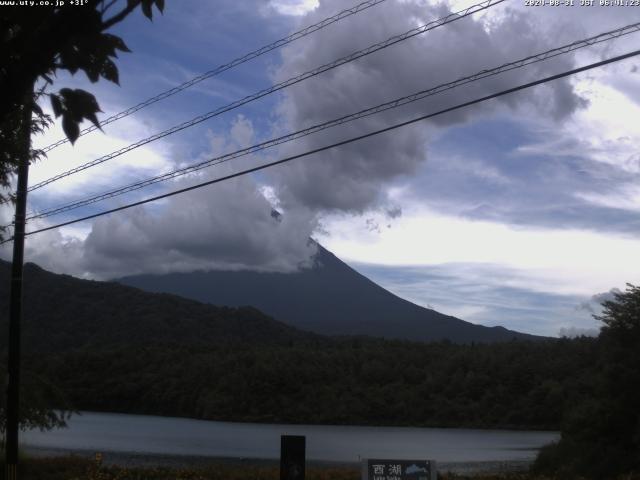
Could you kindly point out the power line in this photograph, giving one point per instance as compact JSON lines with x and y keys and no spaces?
{"x":287,"y":83}
{"x":603,"y":37}
{"x":344,"y":142}
{"x":227,"y":66}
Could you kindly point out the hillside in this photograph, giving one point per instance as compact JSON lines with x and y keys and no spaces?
{"x":109,"y":347}
{"x":329,"y":299}
{"x":63,"y":313}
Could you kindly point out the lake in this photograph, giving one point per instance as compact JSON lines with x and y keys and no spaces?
{"x":150,"y":435}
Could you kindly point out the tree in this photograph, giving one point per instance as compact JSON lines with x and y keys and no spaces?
{"x":38,"y":394}
{"x":37,"y":41}
{"x":601,"y":436}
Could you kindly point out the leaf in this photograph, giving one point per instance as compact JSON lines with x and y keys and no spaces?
{"x":78,"y":105}
{"x":71,"y":129}
{"x":105,"y":48}
{"x":146,"y":9}
{"x":69,"y":59}
{"x":116,"y":42}
{"x":110,"y":72}
{"x":93,"y":119}
{"x":87,"y":100}
{"x":92,"y":72}
{"x":36,"y":109}
{"x":160,"y":5}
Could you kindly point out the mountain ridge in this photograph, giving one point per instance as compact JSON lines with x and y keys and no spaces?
{"x":331,"y":298}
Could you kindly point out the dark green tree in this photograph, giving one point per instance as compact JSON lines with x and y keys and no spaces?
{"x":38,"y":396}
{"x":37,"y":42}
{"x":601,"y":435}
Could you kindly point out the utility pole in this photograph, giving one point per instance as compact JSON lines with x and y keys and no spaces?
{"x":15,"y":310}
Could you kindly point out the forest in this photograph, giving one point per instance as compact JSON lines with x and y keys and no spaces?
{"x":344,"y":381}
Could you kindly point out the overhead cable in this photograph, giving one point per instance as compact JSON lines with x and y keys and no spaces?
{"x":603,"y":37}
{"x":287,"y":83}
{"x":227,"y":66}
{"x":337,"y":144}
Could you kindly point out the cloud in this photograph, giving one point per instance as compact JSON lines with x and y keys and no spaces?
{"x":485,"y":294}
{"x":209,"y":229}
{"x":574,"y":332}
{"x":293,"y":7}
{"x":594,"y":304}
{"x":627,"y":197}
{"x":227,"y":226}
{"x":531,"y":172}
{"x":140,"y":163}
{"x":354,"y":178}
{"x":558,"y":260}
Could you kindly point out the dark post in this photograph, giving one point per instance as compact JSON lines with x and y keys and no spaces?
{"x":292,"y":457}
{"x":15,"y":309}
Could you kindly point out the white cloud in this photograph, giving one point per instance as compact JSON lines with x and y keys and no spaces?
{"x":140,"y":163}
{"x":626,"y":198}
{"x":485,"y":294}
{"x":548,"y":260}
{"x":605,"y":131}
{"x":228,"y":226}
{"x":294,"y":7}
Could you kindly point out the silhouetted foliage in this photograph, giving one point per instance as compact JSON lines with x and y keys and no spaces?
{"x":37,"y":395}
{"x":37,"y":42}
{"x":601,"y":434}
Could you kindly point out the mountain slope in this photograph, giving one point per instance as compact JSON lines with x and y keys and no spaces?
{"x":63,"y":313}
{"x":109,"y":347}
{"x":329,"y":299}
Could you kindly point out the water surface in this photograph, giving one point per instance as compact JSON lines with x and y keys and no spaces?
{"x":104,"y":432}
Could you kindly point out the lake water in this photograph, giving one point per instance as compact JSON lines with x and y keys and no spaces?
{"x":149,"y":435}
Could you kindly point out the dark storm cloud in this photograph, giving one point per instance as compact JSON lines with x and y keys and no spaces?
{"x":354,"y":178}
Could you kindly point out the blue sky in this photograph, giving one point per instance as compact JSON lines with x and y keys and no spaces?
{"x":515,"y":212}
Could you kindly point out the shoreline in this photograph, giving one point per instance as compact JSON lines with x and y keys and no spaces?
{"x":140,"y":459}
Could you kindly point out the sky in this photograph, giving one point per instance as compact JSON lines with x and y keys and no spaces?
{"x":522,"y":211}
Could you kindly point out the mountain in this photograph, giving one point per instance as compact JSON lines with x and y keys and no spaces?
{"x":102,"y":346}
{"x":62,"y":313}
{"x":329,"y":299}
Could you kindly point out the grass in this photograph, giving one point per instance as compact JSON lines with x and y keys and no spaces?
{"x":79,"y":468}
